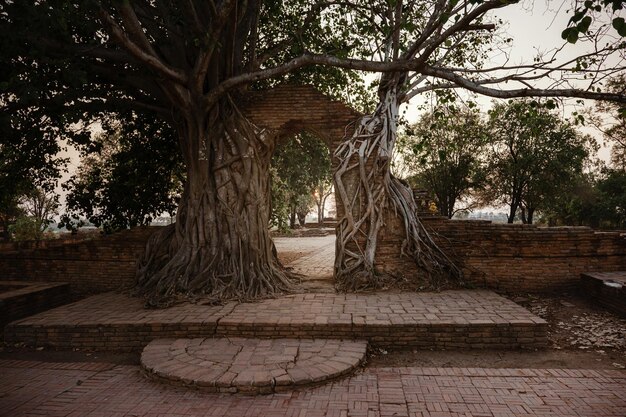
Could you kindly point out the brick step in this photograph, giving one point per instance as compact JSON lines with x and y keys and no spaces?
{"x":607,"y":289}
{"x":20,"y":299}
{"x":251,"y":366}
{"x":458,"y":319}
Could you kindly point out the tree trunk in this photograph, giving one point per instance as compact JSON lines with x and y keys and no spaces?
{"x":320,"y":209}
{"x":530,"y":215}
{"x":220,"y":245}
{"x":292,"y":217}
{"x":512,"y":211}
{"x":368,"y":192}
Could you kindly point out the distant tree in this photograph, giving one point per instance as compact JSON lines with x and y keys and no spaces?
{"x":115,"y":189}
{"x":38,"y":209}
{"x":323,"y":190}
{"x":443,"y":152}
{"x":612,"y":187}
{"x":534,"y":155}
{"x":28,"y":161}
{"x":615,"y":132}
{"x":597,"y":200}
{"x":302,"y":163}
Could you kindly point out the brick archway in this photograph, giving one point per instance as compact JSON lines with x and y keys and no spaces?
{"x":290,"y":109}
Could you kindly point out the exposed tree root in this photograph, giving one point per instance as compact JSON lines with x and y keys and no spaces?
{"x":219,"y":248}
{"x":368,"y":190}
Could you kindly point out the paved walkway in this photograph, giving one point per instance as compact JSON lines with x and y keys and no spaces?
{"x":316,"y":266}
{"x":97,"y":390}
{"x":447,"y":319}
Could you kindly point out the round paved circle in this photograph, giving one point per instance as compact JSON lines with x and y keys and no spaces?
{"x":251,"y":365}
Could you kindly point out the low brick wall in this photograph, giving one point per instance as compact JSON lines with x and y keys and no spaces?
{"x":103,"y":263}
{"x":514,"y":257}
{"x":23,"y":300}
{"x":607,"y":289}
{"x":510,"y":258}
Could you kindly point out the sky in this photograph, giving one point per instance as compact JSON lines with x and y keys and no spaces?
{"x":533,"y":25}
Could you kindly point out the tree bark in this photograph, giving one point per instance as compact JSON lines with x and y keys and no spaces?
{"x":368,"y":192}
{"x":219,"y":246}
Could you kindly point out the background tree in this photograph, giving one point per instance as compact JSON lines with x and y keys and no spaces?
{"x":534,"y":155}
{"x":323,"y":190}
{"x":443,"y":152}
{"x":613,"y":130}
{"x":190,"y":62}
{"x":28,"y":161}
{"x":39,"y":207}
{"x":115,"y":189}
{"x":302,"y":163}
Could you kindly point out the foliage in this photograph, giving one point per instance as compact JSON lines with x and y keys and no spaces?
{"x":585,"y":13}
{"x":64,"y":62}
{"x":24,"y":229}
{"x":443,"y":152}
{"x":131,"y":174}
{"x":300,"y":164}
{"x":534,"y":156}
{"x":612,"y":188}
{"x":596,"y":201}
{"x":36,"y":210}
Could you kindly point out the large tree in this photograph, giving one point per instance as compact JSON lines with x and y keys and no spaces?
{"x":443,"y":153}
{"x":130,"y":174}
{"x":189,"y":61}
{"x":534,"y":156}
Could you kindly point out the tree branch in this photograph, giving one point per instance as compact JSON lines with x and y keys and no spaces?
{"x":525,"y":92}
{"x":151,"y":61}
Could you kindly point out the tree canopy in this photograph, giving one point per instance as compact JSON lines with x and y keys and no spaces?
{"x":443,"y":151}
{"x":534,"y":155}
{"x":66,"y":63}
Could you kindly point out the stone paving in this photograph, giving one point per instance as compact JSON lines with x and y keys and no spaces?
{"x":448,"y":319}
{"x":316,"y":265}
{"x":251,"y":366}
{"x":93,"y":390}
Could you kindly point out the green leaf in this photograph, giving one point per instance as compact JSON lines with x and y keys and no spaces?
{"x":584,"y":24}
{"x":620,"y":25}
{"x":570,"y":34}
{"x":577,"y":16}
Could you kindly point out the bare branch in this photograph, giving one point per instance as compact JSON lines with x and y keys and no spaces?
{"x":477,"y":87}
{"x":151,"y":61}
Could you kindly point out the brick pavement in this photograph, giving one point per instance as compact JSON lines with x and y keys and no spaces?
{"x":377,"y":392}
{"x":318,"y":263}
{"x":448,"y":319}
{"x":250,"y":366}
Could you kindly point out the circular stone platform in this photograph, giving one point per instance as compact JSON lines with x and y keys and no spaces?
{"x":251,"y":366}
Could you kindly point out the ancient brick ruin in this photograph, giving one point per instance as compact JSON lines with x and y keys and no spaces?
{"x":504,"y":257}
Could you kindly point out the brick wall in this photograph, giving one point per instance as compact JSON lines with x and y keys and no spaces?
{"x":510,"y":258}
{"x":91,"y":266}
{"x":514,"y":257}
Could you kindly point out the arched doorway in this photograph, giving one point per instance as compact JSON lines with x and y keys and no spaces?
{"x":289,"y":109}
